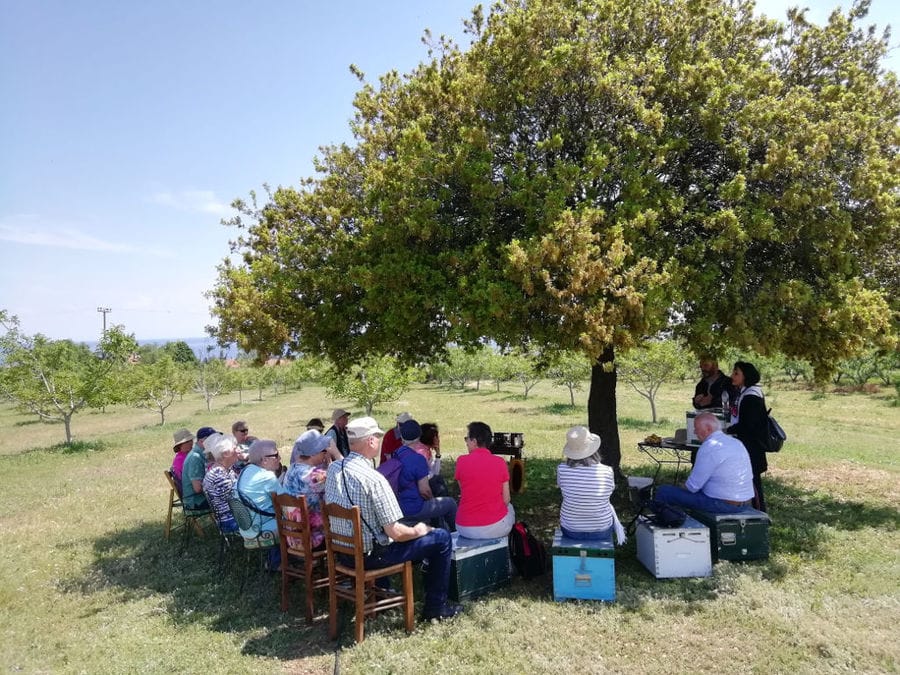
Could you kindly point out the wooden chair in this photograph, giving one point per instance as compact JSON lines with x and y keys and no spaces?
{"x":355,"y":583}
{"x":192,"y":517}
{"x":298,"y":560}
{"x":262,"y":542}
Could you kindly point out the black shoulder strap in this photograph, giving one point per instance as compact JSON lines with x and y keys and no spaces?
{"x":249,"y":503}
{"x":350,"y":499}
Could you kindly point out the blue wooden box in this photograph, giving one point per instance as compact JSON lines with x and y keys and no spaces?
{"x":477,"y":566}
{"x":583,"y":570}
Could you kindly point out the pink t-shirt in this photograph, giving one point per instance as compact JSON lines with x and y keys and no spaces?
{"x":481,"y":476}
{"x":178,"y":465}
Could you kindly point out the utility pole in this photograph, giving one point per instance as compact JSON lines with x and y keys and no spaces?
{"x":104,"y":311}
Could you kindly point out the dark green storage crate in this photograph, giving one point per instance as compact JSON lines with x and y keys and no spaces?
{"x":478,"y":567}
{"x":737,"y":536}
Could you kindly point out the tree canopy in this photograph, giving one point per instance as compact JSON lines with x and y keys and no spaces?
{"x":585,"y":175}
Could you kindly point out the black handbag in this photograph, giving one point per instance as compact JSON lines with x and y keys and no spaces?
{"x":775,"y":433}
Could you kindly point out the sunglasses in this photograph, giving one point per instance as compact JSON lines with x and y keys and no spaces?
{"x":270,"y":456}
{"x":243,"y":431}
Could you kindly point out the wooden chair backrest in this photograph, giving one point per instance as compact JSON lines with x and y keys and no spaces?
{"x":343,"y":544}
{"x":295,"y":535}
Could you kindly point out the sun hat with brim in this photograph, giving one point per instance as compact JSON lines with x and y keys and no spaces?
{"x":309,"y":443}
{"x":362,"y":427}
{"x":181,"y":436}
{"x":580,"y":443}
{"x":338,"y":413}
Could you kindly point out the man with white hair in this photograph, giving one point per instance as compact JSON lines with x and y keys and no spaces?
{"x":387,"y":541}
{"x":722,"y":478}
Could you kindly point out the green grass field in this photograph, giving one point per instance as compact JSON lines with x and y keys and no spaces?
{"x":90,"y":585}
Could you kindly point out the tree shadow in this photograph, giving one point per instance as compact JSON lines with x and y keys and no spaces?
{"x":800,"y":520}
{"x":138,"y":562}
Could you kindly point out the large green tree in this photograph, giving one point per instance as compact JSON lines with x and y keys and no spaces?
{"x":585,"y":175}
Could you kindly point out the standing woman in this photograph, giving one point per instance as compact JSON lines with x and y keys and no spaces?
{"x":750,"y":423}
{"x":484,"y":509}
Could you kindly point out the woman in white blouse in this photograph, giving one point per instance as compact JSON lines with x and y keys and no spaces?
{"x":586,"y":486}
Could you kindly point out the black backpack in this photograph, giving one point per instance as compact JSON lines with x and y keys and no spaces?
{"x":527,"y":553}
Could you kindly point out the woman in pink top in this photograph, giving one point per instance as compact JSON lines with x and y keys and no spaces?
{"x":183,"y":442}
{"x":484,"y":509}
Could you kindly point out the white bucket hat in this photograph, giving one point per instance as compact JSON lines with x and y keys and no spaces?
{"x":580,"y":443}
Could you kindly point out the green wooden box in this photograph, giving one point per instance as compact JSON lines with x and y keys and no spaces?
{"x":737,"y":536}
{"x":477,"y":567}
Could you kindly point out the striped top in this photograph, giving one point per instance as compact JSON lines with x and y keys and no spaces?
{"x":586,"y":491}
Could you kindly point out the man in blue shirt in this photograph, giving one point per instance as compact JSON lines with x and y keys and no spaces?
{"x":722,"y":478}
{"x":414,"y":490}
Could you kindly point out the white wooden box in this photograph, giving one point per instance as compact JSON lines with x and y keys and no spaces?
{"x":670,"y":552}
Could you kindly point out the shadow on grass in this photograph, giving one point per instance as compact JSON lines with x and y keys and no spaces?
{"x":73,"y":448}
{"x":800,"y":522}
{"x":138,"y":563}
{"x":558,"y":409}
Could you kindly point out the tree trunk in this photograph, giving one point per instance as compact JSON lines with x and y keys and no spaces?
{"x":162,"y":416}
{"x":67,"y":421}
{"x":572,"y":396}
{"x":602,"y":410}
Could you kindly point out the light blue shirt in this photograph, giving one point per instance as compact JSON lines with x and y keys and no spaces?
{"x":256,"y":484}
{"x":722,"y":469}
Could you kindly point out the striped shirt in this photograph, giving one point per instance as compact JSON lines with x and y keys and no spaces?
{"x":369,"y":490}
{"x":586,"y":491}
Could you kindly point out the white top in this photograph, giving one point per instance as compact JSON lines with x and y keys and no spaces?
{"x":586,"y":490}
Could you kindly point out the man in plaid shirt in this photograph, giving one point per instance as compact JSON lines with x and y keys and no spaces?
{"x":354,"y":482}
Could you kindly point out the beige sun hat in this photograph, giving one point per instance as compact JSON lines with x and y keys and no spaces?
{"x":580,"y":443}
{"x":181,"y":436}
{"x":338,"y":413}
{"x":362,"y":427}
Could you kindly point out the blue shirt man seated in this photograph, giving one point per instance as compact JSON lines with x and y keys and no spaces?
{"x":414,"y":489}
{"x":353,"y":482}
{"x":722,"y":478}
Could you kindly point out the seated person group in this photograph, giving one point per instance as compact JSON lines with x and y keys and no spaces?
{"x":415,"y":522}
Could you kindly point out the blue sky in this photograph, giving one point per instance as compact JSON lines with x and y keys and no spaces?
{"x":128,"y":127}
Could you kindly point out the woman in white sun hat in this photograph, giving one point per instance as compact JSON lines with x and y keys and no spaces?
{"x":586,"y":486}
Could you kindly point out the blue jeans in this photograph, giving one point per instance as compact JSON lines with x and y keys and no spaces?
{"x":586,"y":536}
{"x":678,"y":496}
{"x":435,"y":549}
{"x":442,"y":509}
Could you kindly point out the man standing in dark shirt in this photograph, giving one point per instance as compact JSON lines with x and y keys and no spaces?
{"x":708,"y":392}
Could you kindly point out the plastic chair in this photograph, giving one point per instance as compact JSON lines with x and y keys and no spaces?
{"x":262,"y":541}
{"x":192,"y":517}
{"x":298,"y":560}
{"x":355,"y":583}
